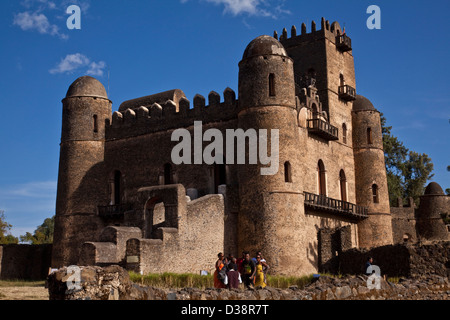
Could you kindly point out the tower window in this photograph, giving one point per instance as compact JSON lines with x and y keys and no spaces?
{"x":344,"y":133}
{"x":272,"y":85}
{"x":117,"y":188}
{"x":343,"y":185}
{"x":375,"y":193}
{"x":95,"y":123}
{"x":287,"y":172}
{"x":168,"y":174}
{"x":220,"y":175}
{"x":321,"y":178}
{"x":341,"y":80}
{"x":369,"y":135}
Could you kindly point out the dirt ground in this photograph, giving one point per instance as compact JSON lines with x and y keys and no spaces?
{"x":23,"y":293}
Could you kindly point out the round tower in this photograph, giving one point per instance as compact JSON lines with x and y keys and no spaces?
{"x":370,"y":175}
{"x":80,"y":180}
{"x":271,"y":206}
{"x":433,"y":204}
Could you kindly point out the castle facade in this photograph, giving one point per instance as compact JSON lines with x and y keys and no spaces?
{"x":121,"y":199}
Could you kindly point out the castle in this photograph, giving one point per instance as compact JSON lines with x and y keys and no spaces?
{"x":121,"y":200}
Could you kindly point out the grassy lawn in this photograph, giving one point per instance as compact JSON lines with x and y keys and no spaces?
{"x":187,"y":280}
{"x":21,"y":283}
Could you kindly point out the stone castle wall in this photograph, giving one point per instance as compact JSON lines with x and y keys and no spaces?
{"x":25,"y":262}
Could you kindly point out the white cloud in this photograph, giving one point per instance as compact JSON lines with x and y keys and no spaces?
{"x":77,"y":61}
{"x":263,"y":8}
{"x":96,"y":68}
{"x":40,"y":189}
{"x":34,"y":21}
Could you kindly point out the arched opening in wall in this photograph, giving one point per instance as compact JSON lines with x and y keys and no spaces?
{"x":407,"y":238}
{"x":220,"y":175}
{"x":369,"y":135}
{"x":343,"y":185}
{"x":155,"y":218}
{"x":95,"y":123}
{"x":272,"y":92}
{"x":168,"y":174}
{"x":344,"y":133}
{"x":315,"y":111}
{"x":341,"y":80}
{"x":117,"y":188}
{"x":311,"y":77}
{"x":321,"y":178}
{"x":287,"y":172}
{"x":375,"y":193}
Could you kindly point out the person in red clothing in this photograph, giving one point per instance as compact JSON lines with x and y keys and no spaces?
{"x":220,"y":264}
{"x":239,"y":262}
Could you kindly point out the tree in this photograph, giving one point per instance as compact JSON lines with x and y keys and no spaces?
{"x":42,"y":235}
{"x":407,"y":171}
{"x":5,"y":227}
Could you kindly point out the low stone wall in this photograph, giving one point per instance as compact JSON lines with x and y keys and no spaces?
{"x":113,"y":283}
{"x":25,"y":262}
{"x":417,"y":260}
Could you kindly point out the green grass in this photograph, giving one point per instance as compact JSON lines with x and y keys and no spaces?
{"x":21,"y":283}
{"x":172,"y":280}
{"x":187,"y":280}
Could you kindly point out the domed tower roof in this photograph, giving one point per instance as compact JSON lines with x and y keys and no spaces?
{"x":264,"y":45}
{"x":87,"y":86}
{"x":434,"y":189}
{"x":363,"y":104}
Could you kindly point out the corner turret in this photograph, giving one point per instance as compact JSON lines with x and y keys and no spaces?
{"x":86,"y":111}
{"x":370,"y":172}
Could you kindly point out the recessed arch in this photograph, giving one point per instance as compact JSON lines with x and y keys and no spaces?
{"x":322,"y":187}
{"x":287,"y":172}
{"x":375,"y":196}
{"x":272,"y":92}
{"x":343,"y":185}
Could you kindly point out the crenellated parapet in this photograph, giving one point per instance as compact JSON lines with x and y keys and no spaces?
{"x":332,"y":32}
{"x":172,"y":115}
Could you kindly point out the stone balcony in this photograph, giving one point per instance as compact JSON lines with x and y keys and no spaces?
{"x":343,"y":43}
{"x":333,"y":206}
{"x":323,"y":129}
{"x":347,"y":93}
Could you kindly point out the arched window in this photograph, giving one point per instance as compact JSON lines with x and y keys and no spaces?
{"x":168,"y":174}
{"x":220,"y":176}
{"x":343,"y":185}
{"x":369,"y":135}
{"x":344,"y":133}
{"x":272,"y":92}
{"x":341,"y":80}
{"x":321,"y":178}
{"x":95,"y":123}
{"x":375,"y":193}
{"x":315,"y":111}
{"x":287,"y":172}
{"x":117,"y":195}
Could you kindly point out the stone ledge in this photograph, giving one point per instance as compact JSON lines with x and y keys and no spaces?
{"x":113,"y":283}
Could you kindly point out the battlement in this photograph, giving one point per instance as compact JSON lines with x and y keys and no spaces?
{"x":160,"y":117}
{"x":329,"y":31}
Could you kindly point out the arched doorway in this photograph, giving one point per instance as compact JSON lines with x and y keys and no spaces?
{"x":343,"y":185}
{"x":321,"y":178}
{"x":154,"y":218}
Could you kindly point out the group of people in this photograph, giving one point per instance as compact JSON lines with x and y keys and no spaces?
{"x":231,"y":272}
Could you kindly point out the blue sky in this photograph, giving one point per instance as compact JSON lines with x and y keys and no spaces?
{"x":195,"y":45}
